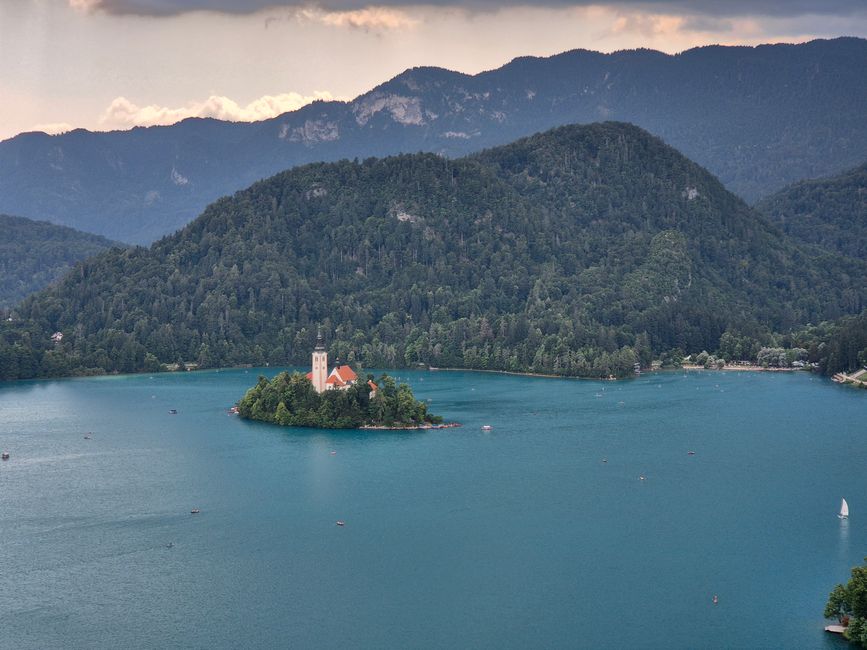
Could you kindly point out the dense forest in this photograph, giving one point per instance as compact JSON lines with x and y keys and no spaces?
{"x":34,"y":254}
{"x":580,"y":251}
{"x":829,"y":212}
{"x":290,"y":400}
{"x":759,"y":118}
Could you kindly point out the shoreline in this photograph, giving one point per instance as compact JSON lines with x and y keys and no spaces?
{"x":418,"y":427}
{"x":428,"y":369}
{"x":745,"y":368}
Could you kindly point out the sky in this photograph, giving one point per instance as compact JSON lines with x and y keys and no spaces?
{"x":116,"y":64}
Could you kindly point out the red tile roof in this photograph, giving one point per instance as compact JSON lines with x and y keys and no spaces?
{"x":346,"y":373}
{"x":340,"y":376}
{"x":335,"y":379}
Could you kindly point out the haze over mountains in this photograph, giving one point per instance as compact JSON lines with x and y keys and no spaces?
{"x":579,"y":251}
{"x":758,"y":118}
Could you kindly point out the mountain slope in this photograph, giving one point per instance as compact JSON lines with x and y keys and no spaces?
{"x":35,"y":253}
{"x":759,"y":118}
{"x":829,"y":212}
{"x":578,"y":251}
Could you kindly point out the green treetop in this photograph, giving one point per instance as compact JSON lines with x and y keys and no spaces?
{"x":849,"y":602}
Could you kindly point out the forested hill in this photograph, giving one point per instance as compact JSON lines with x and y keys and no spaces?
{"x":36,"y":253}
{"x":578,"y":251}
{"x":830,"y":212}
{"x":758,"y":117}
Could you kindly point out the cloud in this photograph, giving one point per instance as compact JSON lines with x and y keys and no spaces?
{"x":648,"y":25}
{"x":54,"y":128}
{"x":370,"y":18}
{"x":779,"y":8}
{"x":123,"y":114}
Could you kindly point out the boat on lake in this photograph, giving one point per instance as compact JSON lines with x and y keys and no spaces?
{"x":5,"y":455}
{"x":844,"y":509}
{"x":486,"y":427}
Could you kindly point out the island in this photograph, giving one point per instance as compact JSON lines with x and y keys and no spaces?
{"x":335,"y":400}
{"x":291,"y":400}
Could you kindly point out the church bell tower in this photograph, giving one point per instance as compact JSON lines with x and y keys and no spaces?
{"x":320,"y":364}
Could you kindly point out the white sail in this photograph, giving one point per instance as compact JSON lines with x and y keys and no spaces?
{"x":844,"y":509}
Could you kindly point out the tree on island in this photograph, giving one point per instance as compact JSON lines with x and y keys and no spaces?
{"x":291,"y":400}
{"x":848,"y":604}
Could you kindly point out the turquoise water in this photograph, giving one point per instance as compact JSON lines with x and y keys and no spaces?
{"x":515,"y":538}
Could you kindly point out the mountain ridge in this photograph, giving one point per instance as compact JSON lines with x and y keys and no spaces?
{"x":758,"y":117}
{"x":34,"y":254}
{"x":830,"y":212}
{"x":579,"y":251}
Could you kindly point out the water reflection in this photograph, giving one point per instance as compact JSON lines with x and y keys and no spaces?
{"x":843,"y":541}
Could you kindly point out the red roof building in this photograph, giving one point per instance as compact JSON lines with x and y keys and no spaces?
{"x":340,"y":378}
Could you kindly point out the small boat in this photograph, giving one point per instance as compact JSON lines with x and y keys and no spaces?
{"x":5,"y":455}
{"x":170,"y":545}
{"x":604,"y":460}
{"x":87,"y":436}
{"x":844,"y":509}
{"x":715,"y":599}
{"x":233,"y":410}
{"x":173,"y":411}
{"x":333,"y":453}
{"x":690,"y":453}
{"x":487,"y":427}
{"x":341,"y":522}
{"x":195,"y":511}
{"x":642,"y":477}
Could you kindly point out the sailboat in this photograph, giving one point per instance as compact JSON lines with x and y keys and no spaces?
{"x":844,"y":509}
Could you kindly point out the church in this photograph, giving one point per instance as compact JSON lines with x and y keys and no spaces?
{"x":340,"y":378}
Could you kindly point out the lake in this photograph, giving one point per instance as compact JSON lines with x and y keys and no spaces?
{"x":518,"y":537}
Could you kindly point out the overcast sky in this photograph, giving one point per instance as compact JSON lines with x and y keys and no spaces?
{"x":110,"y":64}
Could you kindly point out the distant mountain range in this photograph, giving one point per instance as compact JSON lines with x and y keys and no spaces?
{"x":759,"y":118}
{"x":35,"y":253}
{"x":830,"y":212}
{"x":579,"y":251}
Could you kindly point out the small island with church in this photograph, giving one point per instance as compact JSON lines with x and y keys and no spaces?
{"x":335,"y":400}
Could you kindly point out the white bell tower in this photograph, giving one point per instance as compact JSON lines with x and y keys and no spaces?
{"x":320,"y":364}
